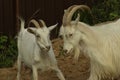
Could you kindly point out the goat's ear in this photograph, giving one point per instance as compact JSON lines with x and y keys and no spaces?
{"x":31,"y":30}
{"x":65,"y":10}
{"x":52,"y":27}
{"x":77,"y":19}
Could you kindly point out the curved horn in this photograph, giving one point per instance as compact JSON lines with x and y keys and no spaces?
{"x":35,"y":23}
{"x":42,"y":23}
{"x":82,"y":7}
{"x":66,"y":14}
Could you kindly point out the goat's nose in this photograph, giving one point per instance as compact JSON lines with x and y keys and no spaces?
{"x":48,"y":47}
{"x":65,"y":51}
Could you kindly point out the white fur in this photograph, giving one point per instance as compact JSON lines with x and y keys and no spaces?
{"x":31,"y":52}
{"x":101,"y":43}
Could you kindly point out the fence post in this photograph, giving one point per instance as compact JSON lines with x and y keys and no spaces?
{"x":17,"y":14}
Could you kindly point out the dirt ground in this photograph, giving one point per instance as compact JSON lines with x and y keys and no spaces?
{"x":70,"y":69}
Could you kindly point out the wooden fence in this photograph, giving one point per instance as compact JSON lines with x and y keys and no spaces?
{"x":51,"y":11}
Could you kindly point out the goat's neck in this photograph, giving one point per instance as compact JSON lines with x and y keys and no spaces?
{"x":88,"y":34}
{"x":85,"y":29}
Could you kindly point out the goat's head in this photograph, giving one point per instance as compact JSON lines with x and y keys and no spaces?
{"x":42,"y":34}
{"x":69,"y":29}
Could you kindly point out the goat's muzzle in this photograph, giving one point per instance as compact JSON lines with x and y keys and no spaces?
{"x":46,"y":49}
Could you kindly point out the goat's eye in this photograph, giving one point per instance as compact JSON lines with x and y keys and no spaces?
{"x":70,"y":35}
{"x":61,"y":37}
{"x":38,"y":36}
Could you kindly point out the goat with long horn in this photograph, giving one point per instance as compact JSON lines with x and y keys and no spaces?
{"x":101,"y":43}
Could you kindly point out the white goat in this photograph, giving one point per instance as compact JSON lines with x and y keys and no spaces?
{"x":35,"y":49}
{"x":101,"y":43}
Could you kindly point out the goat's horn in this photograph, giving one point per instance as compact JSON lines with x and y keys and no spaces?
{"x":82,"y":7}
{"x":66,"y":12}
{"x":35,"y":23}
{"x":42,"y":23}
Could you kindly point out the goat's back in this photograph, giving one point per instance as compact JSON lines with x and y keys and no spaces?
{"x":26,"y":46}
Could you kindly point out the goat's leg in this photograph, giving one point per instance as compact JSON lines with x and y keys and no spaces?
{"x":59,"y":73}
{"x":93,"y":77}
{"x":18,"y":67}
{"x":35,"y":74}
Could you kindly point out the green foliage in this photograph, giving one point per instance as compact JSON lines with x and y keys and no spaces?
{"x":102,"y":10}
{"x":106,"y":10}
{"x":85,"y":16}
{"x":8,"y":51}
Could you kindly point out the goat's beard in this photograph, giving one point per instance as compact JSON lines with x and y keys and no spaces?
{"x":68,"y":53}
{"x":76,"y":53}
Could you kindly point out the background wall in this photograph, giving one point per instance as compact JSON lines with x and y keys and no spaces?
{"x":51,"y":11}
{"x":7,"y":17}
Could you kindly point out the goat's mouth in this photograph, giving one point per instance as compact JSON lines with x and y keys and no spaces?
{"x":67,"y":53}
{"x":45,"y":49}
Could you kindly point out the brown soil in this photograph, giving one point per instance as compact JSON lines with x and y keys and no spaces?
{"x":70,"y":69}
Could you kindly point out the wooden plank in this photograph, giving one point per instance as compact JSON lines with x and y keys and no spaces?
{"x":51,"y":11}
{"x":1,"y":16}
